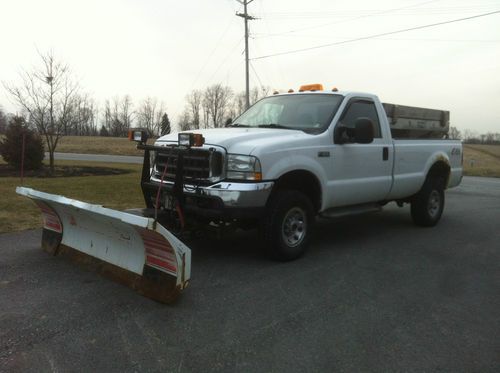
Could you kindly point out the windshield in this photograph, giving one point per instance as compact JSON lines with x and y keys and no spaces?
{"x":311,"y":113}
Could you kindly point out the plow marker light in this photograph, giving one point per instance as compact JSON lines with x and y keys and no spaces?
{"x":131,"y":249}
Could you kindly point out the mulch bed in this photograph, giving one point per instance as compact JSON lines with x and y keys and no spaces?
{"x":62,"y":171}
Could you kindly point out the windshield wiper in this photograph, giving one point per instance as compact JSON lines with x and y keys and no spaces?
{"x":273,"y":125}
{"x":238,"y":125}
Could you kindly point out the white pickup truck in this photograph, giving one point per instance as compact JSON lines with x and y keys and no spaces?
{"x":293,"y":156}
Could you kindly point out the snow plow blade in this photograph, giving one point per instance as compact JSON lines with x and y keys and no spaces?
{"x":130,"y":249}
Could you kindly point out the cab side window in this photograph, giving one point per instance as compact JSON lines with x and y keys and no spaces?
{"x":361,"y":109}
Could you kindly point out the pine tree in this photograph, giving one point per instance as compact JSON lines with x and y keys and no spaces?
{"x":3,"y":121}
{"x":11,"y":145}
{"x":103,"y":131}
{"x":165,"y":125}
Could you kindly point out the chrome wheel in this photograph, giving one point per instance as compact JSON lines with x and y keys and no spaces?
{"x":293,"y":230}
{"x":434,"y":204}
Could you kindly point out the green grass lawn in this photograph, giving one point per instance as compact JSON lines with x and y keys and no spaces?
{"x":115,"y":191}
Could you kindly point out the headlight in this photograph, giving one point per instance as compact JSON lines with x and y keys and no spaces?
{"x":243,"y":167}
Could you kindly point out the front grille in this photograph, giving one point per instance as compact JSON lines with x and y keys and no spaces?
{"x":201,"y":166}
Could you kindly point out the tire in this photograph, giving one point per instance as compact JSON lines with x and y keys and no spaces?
{"x":428,"y":204}
{"x":287,"y":226}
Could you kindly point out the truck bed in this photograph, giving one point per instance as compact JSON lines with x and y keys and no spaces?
{"x":410,"y":122}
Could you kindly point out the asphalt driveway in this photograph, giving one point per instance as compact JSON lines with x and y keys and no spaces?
{"x":374,"y":293}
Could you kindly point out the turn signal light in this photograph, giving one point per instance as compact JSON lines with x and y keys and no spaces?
{"x":198,"y":139}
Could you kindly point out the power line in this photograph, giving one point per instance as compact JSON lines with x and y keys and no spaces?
{"x":360,"y":17}
{"x":277,"y":63}
{"x":343,"y":38}
{"x":212,"y":53}
{"x":231,"y":50}
{"x":407,"y":10}
{"x":443,"y":40}
{"x":375,"y":36}
{"x":257,"y":76}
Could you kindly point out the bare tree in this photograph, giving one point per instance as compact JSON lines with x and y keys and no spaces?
{"x":257,"y":93}
{"x":149,"y":116}
{"x":185,"y":122}
{"x":194,"y":101}
{"x":107,"y":116}
{"x":455,"y":133}
{"x":126,"y":114}
{"x":471,"y":136}
{"x":217,"y":98}
{"x":118,"y":115}
{"x":238,"y":104}
{"x":47,"y":95}
{"x":84,"y":118}
{"x":205,"y":109}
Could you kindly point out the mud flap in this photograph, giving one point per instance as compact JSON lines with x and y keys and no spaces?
{"x":131,"y":249}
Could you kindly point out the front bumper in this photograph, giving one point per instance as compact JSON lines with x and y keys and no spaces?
{"x":222,"y":200}
{"x":238,"y":194}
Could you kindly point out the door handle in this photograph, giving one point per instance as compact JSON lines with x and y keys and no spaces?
{"x":385,"y":153}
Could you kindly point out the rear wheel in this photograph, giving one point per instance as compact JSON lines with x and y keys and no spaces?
{"x":287,"y":226}
{"x":428,"y":204}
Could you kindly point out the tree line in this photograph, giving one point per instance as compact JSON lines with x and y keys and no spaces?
{"x":52,"y":102}
{"x":216,"y":106}
{"x":473,"y":137}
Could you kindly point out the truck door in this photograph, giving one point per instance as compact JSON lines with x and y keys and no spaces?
{"x":360,"y":173}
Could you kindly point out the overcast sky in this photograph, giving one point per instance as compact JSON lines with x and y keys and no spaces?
{"x":166,"y":48}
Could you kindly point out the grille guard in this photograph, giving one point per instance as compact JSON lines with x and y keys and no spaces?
{"x":179,"y":178}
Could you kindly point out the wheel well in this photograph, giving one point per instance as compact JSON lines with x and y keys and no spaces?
{"x":440,"y":169}
{"x":303,"y":181}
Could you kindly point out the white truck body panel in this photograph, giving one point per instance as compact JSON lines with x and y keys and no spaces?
{"x":414,"y":158}
{"x":349,"y":173}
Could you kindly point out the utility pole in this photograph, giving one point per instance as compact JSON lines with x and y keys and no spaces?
{"x":246,"y":18}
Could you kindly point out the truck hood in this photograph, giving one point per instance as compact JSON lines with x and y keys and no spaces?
{"x":241,"y":140}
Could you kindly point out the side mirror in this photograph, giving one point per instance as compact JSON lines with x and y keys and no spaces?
{"x":339,"y":136}
{"x":363,"y":131}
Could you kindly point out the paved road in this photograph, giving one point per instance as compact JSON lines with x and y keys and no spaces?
{"x":374,"y":293}
{"x":96,"y":157}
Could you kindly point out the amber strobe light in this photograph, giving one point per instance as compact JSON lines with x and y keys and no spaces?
{"x":311,"y":87}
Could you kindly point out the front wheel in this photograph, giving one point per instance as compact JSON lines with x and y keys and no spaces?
{"x":428,"y":204}
{"x":287,"y":226}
